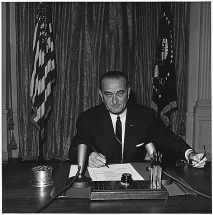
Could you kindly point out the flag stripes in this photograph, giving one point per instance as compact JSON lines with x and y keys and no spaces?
{"x":44,"y":71}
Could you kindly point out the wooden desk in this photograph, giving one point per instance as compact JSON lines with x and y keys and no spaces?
{"x":20,"y":197}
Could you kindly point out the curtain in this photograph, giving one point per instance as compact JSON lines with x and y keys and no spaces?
{"x":178,"y":118}
{"x":91,"y":39}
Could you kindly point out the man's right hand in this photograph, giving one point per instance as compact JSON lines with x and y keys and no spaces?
{"x":96,"y":160}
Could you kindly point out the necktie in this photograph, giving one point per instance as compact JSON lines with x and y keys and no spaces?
{"x":119,"y":136}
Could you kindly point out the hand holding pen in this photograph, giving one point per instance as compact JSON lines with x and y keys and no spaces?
{"x":96,"y":159}
{"x":198,"y":160}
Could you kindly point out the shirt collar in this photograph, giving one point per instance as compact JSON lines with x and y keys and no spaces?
{"x":121,"y":115}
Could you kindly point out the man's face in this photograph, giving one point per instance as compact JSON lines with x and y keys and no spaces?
{"x":115,"y":94}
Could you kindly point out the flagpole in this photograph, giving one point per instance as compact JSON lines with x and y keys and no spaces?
{"x":40,"y":155}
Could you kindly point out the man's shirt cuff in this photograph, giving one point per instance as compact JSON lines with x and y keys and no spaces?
{"x":188,"y":152}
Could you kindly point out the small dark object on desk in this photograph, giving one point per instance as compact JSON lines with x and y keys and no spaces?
{"x":126,"y":179}
{"x":180,"y":163}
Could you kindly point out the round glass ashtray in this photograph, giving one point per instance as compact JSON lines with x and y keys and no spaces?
{"x":42,"y":176}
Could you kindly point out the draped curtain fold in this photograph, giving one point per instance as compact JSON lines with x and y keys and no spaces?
{"x":91,"y":39}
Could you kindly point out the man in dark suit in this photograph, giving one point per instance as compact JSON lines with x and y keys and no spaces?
{"x":114,"y":140}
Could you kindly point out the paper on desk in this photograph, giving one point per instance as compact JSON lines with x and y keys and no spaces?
{"x":113,"y":173}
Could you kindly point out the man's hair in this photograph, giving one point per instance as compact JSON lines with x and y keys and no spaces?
{"x":113,"y":75}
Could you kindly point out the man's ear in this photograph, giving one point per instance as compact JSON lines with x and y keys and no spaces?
{"x":101,"y":95}
{"x":128,"y":92}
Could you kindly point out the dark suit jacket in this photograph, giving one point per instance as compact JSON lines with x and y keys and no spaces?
{"x":95,"y":129}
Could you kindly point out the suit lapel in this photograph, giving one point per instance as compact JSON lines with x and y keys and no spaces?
{"x":106,"y":123}
{"x":129,"y":139}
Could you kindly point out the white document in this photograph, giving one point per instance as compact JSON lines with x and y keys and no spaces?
{"x":113,"y":173}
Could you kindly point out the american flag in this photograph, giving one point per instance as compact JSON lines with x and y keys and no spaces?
{"x":44,"y":71}
{"x":164,"y":99}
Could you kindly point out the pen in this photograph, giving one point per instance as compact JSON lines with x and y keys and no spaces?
{"x":98,"y":152}
{"x":204,"y":152}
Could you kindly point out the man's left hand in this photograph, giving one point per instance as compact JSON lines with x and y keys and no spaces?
{"x":197,"y":160}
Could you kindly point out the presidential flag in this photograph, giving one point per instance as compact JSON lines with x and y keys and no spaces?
{"x":164,"y":99}
{"x":44,"y":71}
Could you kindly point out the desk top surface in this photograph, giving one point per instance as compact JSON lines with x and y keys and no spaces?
{"x":19,"y":196}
